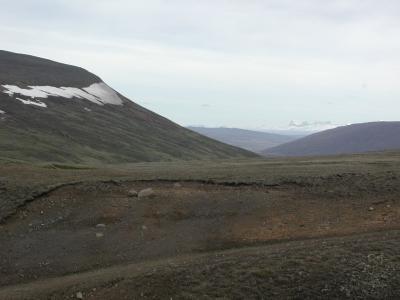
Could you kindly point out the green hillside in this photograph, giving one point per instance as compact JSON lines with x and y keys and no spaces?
{"x":75,"y":130}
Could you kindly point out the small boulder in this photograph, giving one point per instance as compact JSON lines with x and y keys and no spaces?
{"x":177,"y":185}
{"x":79,"y":295}
{"x":132,"y":193}
{"x":99,"y":234}
{"x":101,"y":225}
{"x":371,"y":208}
{"x":146,"y":193}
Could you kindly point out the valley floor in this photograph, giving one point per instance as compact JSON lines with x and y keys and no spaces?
{"x":254,"y":229}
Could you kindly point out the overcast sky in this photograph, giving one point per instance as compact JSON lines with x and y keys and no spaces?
{"x":247,"y":63}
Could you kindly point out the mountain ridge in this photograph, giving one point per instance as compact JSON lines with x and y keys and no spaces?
{"x":350,"y":139}
{"x":50,"y":114}
{"x":251,"y":140}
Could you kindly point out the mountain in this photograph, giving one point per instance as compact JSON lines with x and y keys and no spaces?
{"x":356,"y":138}
{"x":53,"y":112}
{"x":255,"y":141}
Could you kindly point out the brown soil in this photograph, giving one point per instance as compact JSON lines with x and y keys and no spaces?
{"x":56,"y":234}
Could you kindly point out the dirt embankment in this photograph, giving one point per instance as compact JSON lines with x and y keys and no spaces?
{"x":88,"y":226}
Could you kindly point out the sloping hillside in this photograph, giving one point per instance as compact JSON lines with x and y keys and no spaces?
{"x":61,"y":113}
{"x":356,"y":138}
{"x":255,"y":141}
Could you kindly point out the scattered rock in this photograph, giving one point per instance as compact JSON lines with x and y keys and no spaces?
{"x":79,"y":295}
{"x":146,"y":193}
{"x":132,"y":193}
{"x":101,"y":225}
{"x":371,"y":208}
{"x":177,"y":185}
{"x":99,"y":234}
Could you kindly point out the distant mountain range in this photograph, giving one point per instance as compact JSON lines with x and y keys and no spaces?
{"x":311,"y":127}
{"x":53,"y":112}
{"x":255,"y":141}
{"x":356,"y":138}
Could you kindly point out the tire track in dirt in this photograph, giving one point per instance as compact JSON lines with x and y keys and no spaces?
{"x":82,"y":281}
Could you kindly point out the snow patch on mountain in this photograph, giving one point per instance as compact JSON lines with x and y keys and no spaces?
{"x":98,"y":93}
{"x":29,"y":102}
{"x":103,"y":92}
{"x":299,"y":128}
{"x":311,"y":126}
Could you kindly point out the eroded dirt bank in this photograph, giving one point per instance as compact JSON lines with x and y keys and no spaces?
{"x":90,"y":226}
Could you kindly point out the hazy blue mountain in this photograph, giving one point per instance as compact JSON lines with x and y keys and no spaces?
{"x":356,"y":138}
{"x":255,"y":141}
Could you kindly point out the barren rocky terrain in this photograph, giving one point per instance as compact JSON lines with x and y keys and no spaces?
{"x":250,"y":229}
